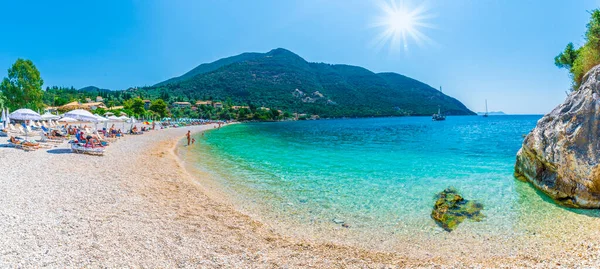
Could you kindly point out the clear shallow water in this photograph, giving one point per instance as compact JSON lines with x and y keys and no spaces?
{"x":376,"y":174}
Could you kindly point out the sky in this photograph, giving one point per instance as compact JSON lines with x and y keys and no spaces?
{"x":499,"y":50}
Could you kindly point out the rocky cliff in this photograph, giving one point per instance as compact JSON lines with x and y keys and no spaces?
{"x":561,"y":155}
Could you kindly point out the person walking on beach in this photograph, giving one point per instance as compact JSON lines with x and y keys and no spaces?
{"x":188,"y":135}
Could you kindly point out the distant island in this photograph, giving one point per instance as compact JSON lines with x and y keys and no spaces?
{"x":492,"y":113}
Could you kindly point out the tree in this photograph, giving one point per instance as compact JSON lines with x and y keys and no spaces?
{"x":160,"y":107}
{"x":580,"y":61}
{"x":23,"y":86}
{"x":3,"y":102}
{"x":137,"y":106}
{"x":566,"y":58}
{"x":100,"y":111}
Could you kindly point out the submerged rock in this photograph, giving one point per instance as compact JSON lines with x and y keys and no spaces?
{"x":337,"y":221}
{"x":451,"y":209}
{"x":561,"y":156}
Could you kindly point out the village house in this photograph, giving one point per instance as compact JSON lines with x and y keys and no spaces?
{"x":206,"y":103}
{"x":87,"y":106}
{"x":240,"y":107}
{"x":181,"y":104}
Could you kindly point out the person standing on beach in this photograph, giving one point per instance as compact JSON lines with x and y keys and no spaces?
{"x":188,"y":135}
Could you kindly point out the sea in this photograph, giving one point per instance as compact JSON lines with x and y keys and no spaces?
{"x":376,"y":176}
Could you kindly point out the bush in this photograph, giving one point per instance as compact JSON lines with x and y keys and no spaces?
{"x":580,"y":61}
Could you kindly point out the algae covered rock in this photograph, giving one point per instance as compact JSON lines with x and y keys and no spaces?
{"x":451,"y":209}
{"x":561,"y":156}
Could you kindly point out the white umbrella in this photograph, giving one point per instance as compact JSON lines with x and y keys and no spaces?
{"x":66,"y":119}
{"x":114,"y":118}
{"x":25,"y":114}
{"x":49,"y":116}
{"x":124,"y":118}
{"x":132,"y":121}
{"x":81,"y":115}
{"x":4,"y":124}
{"x":100,"y":118}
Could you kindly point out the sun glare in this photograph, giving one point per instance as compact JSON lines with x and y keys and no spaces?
{"x":399,"y":23}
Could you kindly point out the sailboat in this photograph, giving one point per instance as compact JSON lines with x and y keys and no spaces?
{"x":486,"y":111}
{"x":439,"y":116}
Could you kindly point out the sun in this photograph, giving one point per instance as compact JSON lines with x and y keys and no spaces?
{"x":399,"y":24}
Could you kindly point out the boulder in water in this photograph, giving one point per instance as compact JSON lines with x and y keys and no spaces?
{"x":451,"y":209}
{"x":561,"y":156}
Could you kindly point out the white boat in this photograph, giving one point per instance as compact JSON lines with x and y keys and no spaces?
{"x":486,"y":111}
{"x":439,"y":116}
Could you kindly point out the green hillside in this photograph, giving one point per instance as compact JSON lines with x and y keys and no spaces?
{"x":283,"y":80}
{"x":205,"y":68}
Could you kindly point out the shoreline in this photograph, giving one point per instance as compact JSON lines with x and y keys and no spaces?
{"x":138,"y":206}
{"x":519,"y":248}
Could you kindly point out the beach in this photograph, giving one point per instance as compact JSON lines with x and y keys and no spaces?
{"x":138,"y":206}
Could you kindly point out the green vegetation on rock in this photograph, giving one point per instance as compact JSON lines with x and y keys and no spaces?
{"x":451,"y":209}
{"x":580,"y":61}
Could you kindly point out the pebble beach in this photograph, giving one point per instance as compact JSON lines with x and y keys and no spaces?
{"x":137,"y":206}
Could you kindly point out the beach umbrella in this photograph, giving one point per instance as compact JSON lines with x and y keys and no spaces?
{"x":124,"y":118}
{"x":49,"y":116}
{"x":25,"y":114}
{"x":132,"y":121}
{"x":81,"y":115}
{"x":114,"y":118}
{"x":66,"y":119}
{"x":4,"y":124}
{"x":100,"y":118}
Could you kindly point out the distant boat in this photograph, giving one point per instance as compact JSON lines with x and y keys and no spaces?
{"x":486,"y":111}
{"x":439,"y":116}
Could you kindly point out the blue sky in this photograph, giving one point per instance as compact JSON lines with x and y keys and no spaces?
{"x":486,"y":49}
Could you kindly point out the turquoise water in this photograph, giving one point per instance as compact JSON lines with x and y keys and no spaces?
{"x":380,"y":173}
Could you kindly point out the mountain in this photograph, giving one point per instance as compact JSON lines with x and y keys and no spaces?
{"x":92,"y":89}
{"x":282,"y":80}
{"x":205,"y":68}
{"x":492,"y":113}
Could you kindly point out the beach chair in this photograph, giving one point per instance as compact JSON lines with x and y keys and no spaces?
{"x":45,"y":125}
{"x":83,"y":148}
{"x":23,"y":144}
{"x":104,"y":139}
{"x":21,"y":130}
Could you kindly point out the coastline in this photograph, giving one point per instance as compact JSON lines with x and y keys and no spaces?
{"x":139,"y":207}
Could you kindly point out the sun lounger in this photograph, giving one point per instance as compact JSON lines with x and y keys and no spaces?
{"x":86,"y":149}
{"x":23,"y":144}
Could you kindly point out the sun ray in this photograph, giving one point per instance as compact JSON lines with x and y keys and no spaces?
{"x":400,"y":25}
